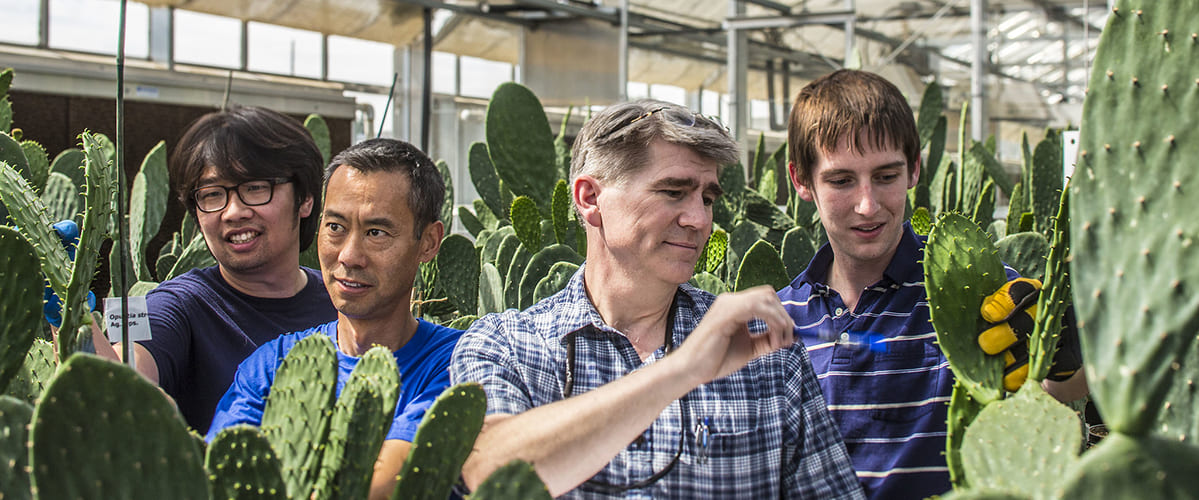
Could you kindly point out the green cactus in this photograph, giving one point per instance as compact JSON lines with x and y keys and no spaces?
{"x":1132,"y":218}
{"x":458,"y":272}
{"x":766,"y":213}
{"x":486,"y":180}
{"x":15,"y":416}
{"x":1025,"y":252}
{"x":1054,"y":298}
{"x":61,"y":198}
{"x":1023,"y":444}
{"x":520,"y":143}
{"x":922,"y":222}
{"x":1123,"y":466}
{"x":101,"y":189}
{"x":741,"y":238}
{"x":447,"y":203}
{"x":485,"y":215}
{"x":1017,"y":207}
{"x":491,"y":289}
{"x":961,"y":267}
{"x":37,"y":162}
{"x":463,"y":322}
{"x":994,"y":170}
{"x":932,"y":105}
{"x":100,"y":420}
{"x":1046,"y":181}
{"x":561,"y":148}
{"x":444,"y":439}
{"x":69,"y":162}
{"x":319,"y":130}
{"x":516,"y":479}
{"x":514,"y":275}
{"x":509,"y":244}
{"x":984,"y":207}
{"x":492,"y":242}
{"x":29,"y":214}
{"x":798,"y":249}
{"x":526,"y":220}
{"x":963,"y":409}
{"x":539,"y":267}
{"x":296,"y":415}
{"x":22,"y":312}
{"x":13,"y":154}
{"x":470,"y":222}
{"x":714,"y":251}
{"x":360,"y":422}
{"x":555,"y":280}
{"x":242,"y":466}
{"x":5,"y":103}
{"x":761,"y":266}
{"x":708,"y":282}
{"x":35,"y":372}
{"x":561,"y":210}
{"x":147,"y":205}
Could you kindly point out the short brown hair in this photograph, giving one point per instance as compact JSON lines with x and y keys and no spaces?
{"x":615,"y":142}
{"x":846,"y":104}
{"x":247,"y":143}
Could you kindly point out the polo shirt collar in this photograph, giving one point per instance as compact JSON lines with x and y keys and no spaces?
{"x":905,"y":264}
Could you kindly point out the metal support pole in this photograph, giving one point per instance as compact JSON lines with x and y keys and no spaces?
{"x":623,"y":64}
{"x":737,"y":74}
{"x":426,"y":91}
{"x":850,"y":40}
{"x":245,"y":45}
{"x":978,"y":71}
{"x":43,"y":24}
{"x":162,"y":35}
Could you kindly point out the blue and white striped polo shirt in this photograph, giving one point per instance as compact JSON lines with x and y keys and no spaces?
{"x":890,"y":405}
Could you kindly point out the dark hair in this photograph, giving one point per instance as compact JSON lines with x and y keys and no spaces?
{"x":844,"y":104}
{"x":426,"y":187}
{"x":246,"y":143}
{"x":615,"y":142}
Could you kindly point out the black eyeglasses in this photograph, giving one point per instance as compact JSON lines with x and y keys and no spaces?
{"x":251,"y":193}
{"x":571,"y":340}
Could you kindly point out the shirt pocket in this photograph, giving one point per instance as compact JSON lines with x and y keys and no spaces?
{"x":726,"y":412}
{"x":910,"y":384}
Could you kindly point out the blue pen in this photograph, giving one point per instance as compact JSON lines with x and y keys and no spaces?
{"x":851,"y":339}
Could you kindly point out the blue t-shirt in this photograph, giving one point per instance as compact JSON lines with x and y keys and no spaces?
{"x":202,"y":328}
{"x":423,"y":363}
{"x":891,"y":406}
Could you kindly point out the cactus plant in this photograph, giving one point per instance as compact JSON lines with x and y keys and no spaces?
{"x":491,"y":289}
{"x":561,"y":208}
{"x":539,"y":267}
{"x":147,"y":205}
{"x":97,"y":216}
{"x":296,"y":416}
{"x":487,"y":181}
{"x":319,"y":130}
{"x":242,"y":466}
{"x":526,"y":220}
{"x":761,"y":266}
{"x":1025,"y":252}
{"x":445,"y":437}
{"x":516,"y":479}
{"x":360,"y":421}
{"x":30,"y":380}
{"x":520,"y":144}
{"x":21,"y":311}
{"x":555,"y":280}
{"x":127,"y":425}
{"x":961,"y":267}
{"x":458,"y":272}
{"x":963,"y":409}
{"x":15,"y":416}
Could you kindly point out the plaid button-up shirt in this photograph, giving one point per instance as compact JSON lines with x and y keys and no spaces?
{"x":770,"y":433}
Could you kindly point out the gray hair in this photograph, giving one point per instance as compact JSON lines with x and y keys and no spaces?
{"x":615,"y":142}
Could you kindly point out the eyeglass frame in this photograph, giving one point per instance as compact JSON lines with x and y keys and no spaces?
{"x":272,"y":182}
{"x":571,"y":341}
{"x":659,"y":111}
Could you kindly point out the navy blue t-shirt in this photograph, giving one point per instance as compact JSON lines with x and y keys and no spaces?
{"x":202,"y":328}
{"x":423,"y":363}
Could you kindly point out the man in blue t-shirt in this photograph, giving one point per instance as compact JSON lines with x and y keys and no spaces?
{"x":855,"y":152}
{"x":382,"y":202}
{"x":251,"y":177}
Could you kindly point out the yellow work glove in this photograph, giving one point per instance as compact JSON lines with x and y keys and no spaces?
{"x":1012,"y":312}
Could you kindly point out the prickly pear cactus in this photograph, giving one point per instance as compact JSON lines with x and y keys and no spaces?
{"x":458,"y":272}
{"x":1133,"y":221}
{"x":1024,"y":444}
{"x":486,"y":180}
{"x":521,"y":144}
{"x":963,"y":409}
{"x":1046,"y":179}
{"x":61,"y":198}
{"x":15,"y":416}
{"x":21,"y":311}
{"x":714,"y":252}
{"x":1025,"y":252}
{"x":539,"y":267}
{"x":242,"y":466}
{"x":319,"y":130}
{"x":101,"y":189}
{"x":491,"y":290}
{"x":296,"y":417}
{"x":554,"y":281}
{"x":29,"y":382}
{"x":147,"y":205}
{"x":961,"y":267}
{"x":29,"y":213}
{"x":445,"y":437}
{"x":526,"y":220}
{"x":447,"y":203}
{"x":5,"y":103}
{"x":361,"y":419}
{"x":100,"y":420}
{"x":39,"y":163}
{"x":561,"y":211}
{"x":761,"y":266}
{"x":516,"y":479}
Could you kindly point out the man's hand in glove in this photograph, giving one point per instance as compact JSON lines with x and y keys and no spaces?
{"x":1012,"y":312}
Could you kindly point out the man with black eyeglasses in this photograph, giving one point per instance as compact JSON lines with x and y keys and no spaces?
{"x":615,"y":387}
{"x":251,"y":177}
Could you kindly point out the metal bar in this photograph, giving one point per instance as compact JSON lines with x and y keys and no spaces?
{"x":764,"y":22}
{"x":622,"y":77}
{"x":772,"y":5}
{"x":426,"y":91}
{"x":978,"y":71}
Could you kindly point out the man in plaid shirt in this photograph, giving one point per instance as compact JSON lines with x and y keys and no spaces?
{"x":614,"y":387}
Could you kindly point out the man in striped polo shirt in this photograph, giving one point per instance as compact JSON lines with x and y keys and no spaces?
{"x":860,"y":307}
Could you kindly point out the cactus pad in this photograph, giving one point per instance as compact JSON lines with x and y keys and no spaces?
{"x":516,"y":479}
{"x":20,"y":308}
{"x":242,"y":466}
{"x":30,"y":380}
{"x":360,"y":422}
{"x":444,"y":439}
{"x":761,"y":266}
{"x":1122,"y":466}
{"x":1133,"y":215}
{"x":458,"y":272}
{"x":1025,"y":252}
{"x":520,"y":143}
{"x":963,"y":409}
{"x":147,"y":205}
{"x":26,"y":209}
{"x":15,"y":416}
{"x":296,"y":416}
{"x":539,"y":267}
{"x":1024,"y":443}
{"x":961,"y":267}
{"x":100,"y":420}
{"x":554,"y":281}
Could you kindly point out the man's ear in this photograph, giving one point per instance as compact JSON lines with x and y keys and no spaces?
{"x":585,"y":191}
{"x":430,"y":240}
{"x":306,"y":207}
{"x":914,"y":177}
{"x":793,"y":173}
